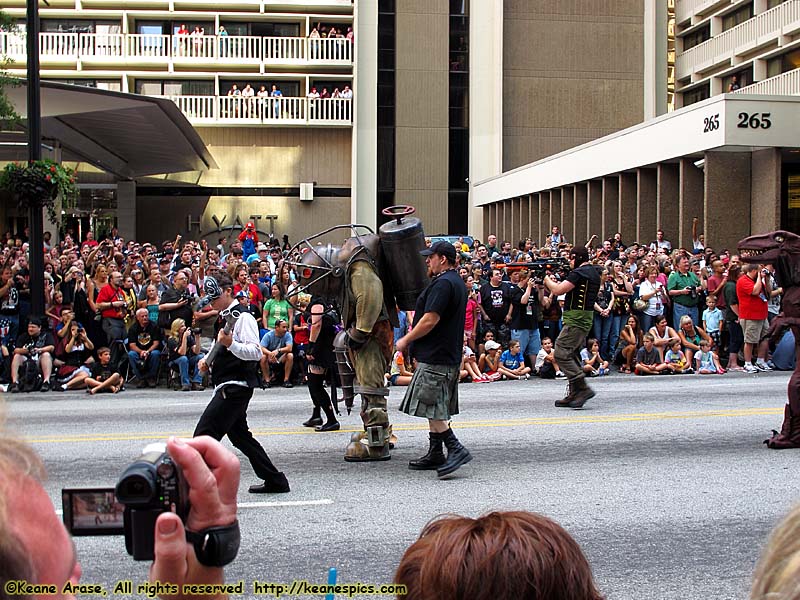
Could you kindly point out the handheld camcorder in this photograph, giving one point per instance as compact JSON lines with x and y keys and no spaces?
{"x":150,"y":485}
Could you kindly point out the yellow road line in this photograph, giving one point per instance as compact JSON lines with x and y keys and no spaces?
{"x":572,"y":419}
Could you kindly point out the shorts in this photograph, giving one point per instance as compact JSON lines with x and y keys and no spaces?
{"x":433,"y":392}
{"x":393,"y":379}
{"x":754,"y":330}
{"x":529,"y":341}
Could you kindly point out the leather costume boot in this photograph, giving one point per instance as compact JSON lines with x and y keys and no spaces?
{"x":457,"y":455}
{"x":581,"y":393}
{"x":564,"y":402}
{"x":789,"y":437}
{"x":433,"y":459}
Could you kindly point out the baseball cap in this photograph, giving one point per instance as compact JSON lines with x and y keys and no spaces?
{"x":441,"y":248}
{"x":492,"y":345}
{"x":261,"y":246}
{"x":240,"y":294}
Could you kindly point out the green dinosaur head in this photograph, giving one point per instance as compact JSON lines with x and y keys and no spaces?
{"x":766,"y":248}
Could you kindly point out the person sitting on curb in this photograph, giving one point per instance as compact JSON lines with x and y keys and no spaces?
{"x":648,"y":359}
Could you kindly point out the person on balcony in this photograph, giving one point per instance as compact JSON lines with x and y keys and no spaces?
{"x":198,"y":49}
{"x":314,"y":37}
{"x":223,"y":44}
{"x":181,"y":41}
{"x":312,"y":96}
{"x":276,"y":105}
{"x":249,"y":93}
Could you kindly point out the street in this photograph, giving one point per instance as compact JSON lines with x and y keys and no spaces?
{"x":664,"y":481}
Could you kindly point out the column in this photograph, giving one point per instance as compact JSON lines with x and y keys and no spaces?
{"x":727,"y":193}
{"x":533,"y":217}
{"x":126,"y":209}
{"x":646,"y":205}
{"x":594,"y":209}
{"x":544,"y":216}
{"x":556,"y":210}
{"x":568,"y":212}
{"x":514,"y":230}
{"x":627,"y":206}
{"x":486,"y":217}
{"x":610,"y":221}
{"x":525,"y":217}
{"x":508,"y":220}
{"x":580,"y":214}
{"x":765,"y":213}
{"x":667,"y":202}
{"x":690,"y":201}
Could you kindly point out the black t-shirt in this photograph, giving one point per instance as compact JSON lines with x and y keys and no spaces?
{"x":495,"y":301}
{"x":447,"y":297}
{"x":172,"y":295}
{"x":102,"y":372}
{"x":586,"y":280}
{"x":173,"y":344}
{"x":144,"y":337}
{"x":45,"y":338}
{"x":523,"y":316}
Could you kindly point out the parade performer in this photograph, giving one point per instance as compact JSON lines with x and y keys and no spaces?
{"x":782,"y":249}
{"x":581,"y":287}
{"x":249,"y":239}
{"x":233,"y":363}
{"x":320,"y":357}
{"x":436,"y":341}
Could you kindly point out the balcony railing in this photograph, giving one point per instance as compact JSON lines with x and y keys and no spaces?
{"x":187,"y":49}
{"x":785,"y":84}
{"x":686,"y":8}
{"x":238,"y":110}
{"x":763,"y":28}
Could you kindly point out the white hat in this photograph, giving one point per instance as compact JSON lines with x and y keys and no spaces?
{"x":492,"y":345}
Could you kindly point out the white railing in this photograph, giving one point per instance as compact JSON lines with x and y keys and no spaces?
{"x":686,"y":8}
{"x":232,"y":110}
{"x":145,"y":45}
{"x":785,"y":84}
{"x":101,"y":45}
{"x":179,"y":48}
{"x":754,"y":32}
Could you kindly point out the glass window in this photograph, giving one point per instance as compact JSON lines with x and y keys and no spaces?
{"x":699,"y":36}
{"x":783,"y":63}
{"x":385,"y":158}
{"x":269,"y":29}
{"x":386,"y":6}
{"x":459,"y":7}
{"x":457,"y":210}
{"x":79,"y":26}
{"x":738,"y":80}
{"x":114,"y":85}
{"x":774,"y":3}
{"x":697,"y":94}
{"x":458,"y":158}
{"x":737,"y":17}
{"x":174,"y":87}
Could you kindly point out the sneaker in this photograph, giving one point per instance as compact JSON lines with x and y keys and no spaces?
{"x":45,"y":387}
{"x":748,"y":368}
{"x":288,"y":384}
{"x":13,"y":388}
{"x":762,"y":366}
{"x":601,"y":371}
{"x":560,"y":375}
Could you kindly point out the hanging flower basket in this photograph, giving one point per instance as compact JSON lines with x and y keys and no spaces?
{"x":37,"y":184}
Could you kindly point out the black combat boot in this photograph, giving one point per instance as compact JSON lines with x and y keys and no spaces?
{"x":457,"y":455}
{"x":433,"y":459}
{"x":564,"y":402}
{"x":580,"y":393}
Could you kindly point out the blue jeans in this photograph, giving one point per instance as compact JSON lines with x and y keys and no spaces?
{"x":647,"y":322}
{"x":679,"y":310}
{"x":529,"y":342}
{"x":549,"y":329}
{"x":185,"y":363}
{"x":602,"y":331}
{"x":151,"y":364}
{"x":617,"y":323}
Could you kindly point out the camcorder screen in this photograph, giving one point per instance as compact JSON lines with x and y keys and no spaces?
{"x":94,"y":511}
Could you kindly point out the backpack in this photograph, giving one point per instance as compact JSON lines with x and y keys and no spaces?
{"x":30,"y":380}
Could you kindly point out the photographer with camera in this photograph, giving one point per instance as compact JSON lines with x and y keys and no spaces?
{"x":34,"y":345}
{"x":144,"y":342}
{"x":35,"y":546}
{"x":176,"y":302}
{"x":183,"y":345}
{"x":684,"y":287}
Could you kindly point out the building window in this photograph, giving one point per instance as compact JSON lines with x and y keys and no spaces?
{"x":458,"y":156}
{"x":697,"y":94}
{"x":386,"y":106}
{"x":738,"y":80}
{"x":148,"y":87}
{"x":774,"y":3}
{"x":262,"y":29}
{"x":783,"y":63}
{"x":737,"y":17}
{"x":113,"y":85}
{"x":80,"y":26}
{"x":690,"y":40}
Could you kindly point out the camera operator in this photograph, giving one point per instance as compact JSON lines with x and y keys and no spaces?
{"x":177,"y":301}
{"x":36,"y":345}
{"x":9,"y":301}
{"x":684,"y":287}
{"x":36,"y":547}
{"x":184,"y":352}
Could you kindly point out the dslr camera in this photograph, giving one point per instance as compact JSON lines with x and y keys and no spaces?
{"x":693,"y":291}
{"x":150,"y":485}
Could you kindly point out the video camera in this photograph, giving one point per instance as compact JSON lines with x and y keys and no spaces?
{"x":555,"y":267}
{"x":150,"y":485}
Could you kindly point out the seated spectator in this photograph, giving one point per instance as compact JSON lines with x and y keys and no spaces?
{"x":144,"y":349}
{"x":55,"y":308}
{"x":663,"y":335}
{"x":546,"y":366}
{"x":73,"y":364}
{"x":103,"y":377}
{"x":593,"y":363}
{"x":150,"y":302}
{"x":398,"y":374}
{"x":676,"y":359}
{"x":499,"y":556}
{"x":276,"y":350}
{"x":712,"y":318}
{"x":512,"y":363}
{"x":784,"y":357}
{"x":691,"y":336}
{"x":489,"y":361}
{"x":706,"y":361}
{"x":630,"y":340}
{"x":33,"y":345}
{"x":648,"y":358}
{"x":183,"y":348}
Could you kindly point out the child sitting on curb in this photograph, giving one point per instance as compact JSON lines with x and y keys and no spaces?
{"x":707,"y":361}
{"x":593,"y":363}
{"x":512,"y":365}
{"x":546,"y":365}
{"x":676,"y":359}
{"x":648,"y":359}
{"x":489,"y":361}
{"x":469,"y":366}
{"x":398,"y":374}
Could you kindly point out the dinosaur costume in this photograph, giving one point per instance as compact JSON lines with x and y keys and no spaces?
{"x":782,"y":249}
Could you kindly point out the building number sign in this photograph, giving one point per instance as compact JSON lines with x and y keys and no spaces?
{"x":745,"y":121}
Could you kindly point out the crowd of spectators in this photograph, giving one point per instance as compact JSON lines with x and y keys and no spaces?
{"x":660,"y":310}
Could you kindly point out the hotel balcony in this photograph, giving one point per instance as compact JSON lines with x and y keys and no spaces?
{"x":255,"y":6}
{"x":236,"y":110}
{"x":128,"y":49}
{"x":769,"y":27}
{"x":785,"y":84}
{"x":685,"y":9}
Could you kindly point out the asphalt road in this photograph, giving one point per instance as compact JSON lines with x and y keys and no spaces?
{"x":664,"y":481}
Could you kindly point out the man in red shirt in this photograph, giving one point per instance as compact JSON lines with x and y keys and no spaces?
{"x":752,"y":290}
{"x":244,"y":284}
{"x":111,"y":304}
{"x":90,"y":241}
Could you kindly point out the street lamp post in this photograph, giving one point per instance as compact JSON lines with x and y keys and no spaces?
{"x":35,"y":221}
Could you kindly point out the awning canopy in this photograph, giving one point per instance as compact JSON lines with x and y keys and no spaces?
{"x":127,"y":135}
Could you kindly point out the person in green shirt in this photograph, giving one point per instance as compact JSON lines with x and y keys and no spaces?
{"x":684,"y":288}
{"x":277,"y":307}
